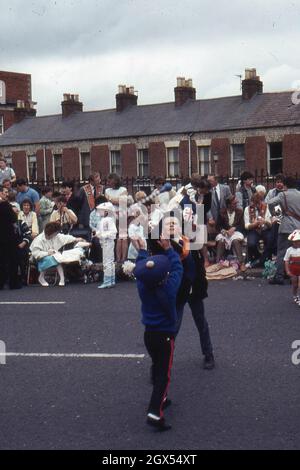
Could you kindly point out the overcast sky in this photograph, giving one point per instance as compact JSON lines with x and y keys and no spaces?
{"x":90,"y":46}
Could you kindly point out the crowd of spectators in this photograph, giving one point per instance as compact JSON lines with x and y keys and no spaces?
{"x":251,"y":226}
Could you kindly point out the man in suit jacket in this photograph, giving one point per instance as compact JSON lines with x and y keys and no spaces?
{"x":220,"y":192}
{"x":289,"y":201}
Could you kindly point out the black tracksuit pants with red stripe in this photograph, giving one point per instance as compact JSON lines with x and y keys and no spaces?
{"x":160,"y":346}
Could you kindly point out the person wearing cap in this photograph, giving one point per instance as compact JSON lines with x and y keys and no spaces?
{"x":158,"y":280}
{"x":107,"y":232}
{"x":292,"y":264}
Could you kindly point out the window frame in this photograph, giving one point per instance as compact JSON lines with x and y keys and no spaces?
{"x":54,"y":167}
{"x":82,"y":176}
{"x":274,"y":159}
{"x":29,"y":176}
{"x":1,"y":124}
{"x":142,"y":164}
{"x":115,"y":166}
{"x":233,"y":146}
{"x":200,"y":162}
{"x":175,"y":162}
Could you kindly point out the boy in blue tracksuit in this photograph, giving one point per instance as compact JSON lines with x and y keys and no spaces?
{"x":158,"y":280}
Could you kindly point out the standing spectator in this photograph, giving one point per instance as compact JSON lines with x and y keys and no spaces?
{"x":6,"y":172}
{"x":257,"y":219}
{"x":95,"y":217}
{"x":114,"y":193}
{"x":245,"y":191}
{"x":289,"y":202}
{"x":292,"y":264}
{"x":28,"y":216}
{"x":24,"y":239}
{"x":107,"y":232}
{"x":46,"y":207}
{"x":220,"y":193}
{"x":8,"y":184}
{"x":25,"y":192}
{"x":85,"y":200}
{"x":8,"y":244}
{"x":279,"y":187}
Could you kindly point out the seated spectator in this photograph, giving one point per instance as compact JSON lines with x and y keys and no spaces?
{"x":257,"y":219}
{"x":261,"y":190}
{"x":29,"y":216}
{"x":245,"y":190}
{"x":231,"y":225}
{"x":46,"y":207}
{"x":63,"y":215}
{"x":25,"y":192}
{"x":6,"y":172}
{"x":23,"y":240}
{"x":44,"y":248}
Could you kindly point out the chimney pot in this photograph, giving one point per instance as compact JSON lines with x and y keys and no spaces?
{"x":251,"y":85}
{"x":184,"y":91}
{"x":125,"y":97}
{"x":71,"y":104}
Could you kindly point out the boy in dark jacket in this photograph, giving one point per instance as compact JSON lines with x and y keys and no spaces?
{"x":158,"y":281}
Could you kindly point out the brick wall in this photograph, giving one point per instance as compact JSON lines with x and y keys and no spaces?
{"x":222,"y":148}
{"x":256,"y":154}
{"x":100,"y":159}
{"x":184,"y":158}
{"x":291,"y":154}
{"x":129,"y":160}
{"x":71,"y":168}
{"x":8,"y":118}
{"x":157,"y":159}
{"x":18,"y":86}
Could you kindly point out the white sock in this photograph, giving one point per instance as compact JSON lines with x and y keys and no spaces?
{"x":61,"y":275}
{"x":42,"y":279}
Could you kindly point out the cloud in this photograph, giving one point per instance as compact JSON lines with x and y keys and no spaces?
{"x":89,"y":47}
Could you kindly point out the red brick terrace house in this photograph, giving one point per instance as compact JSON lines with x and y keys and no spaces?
{"x":254,"y":130}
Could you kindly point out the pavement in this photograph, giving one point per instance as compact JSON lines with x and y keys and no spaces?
{"x":249,"y":401}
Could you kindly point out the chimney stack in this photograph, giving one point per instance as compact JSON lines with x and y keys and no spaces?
{"x":125,"y":97}
{"x":24,"y":109}
{"x":251,"y":85}
{"x":184,"y":91}
{"x":70,"y":105}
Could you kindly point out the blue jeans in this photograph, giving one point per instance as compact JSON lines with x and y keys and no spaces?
{"x":197,"y":308}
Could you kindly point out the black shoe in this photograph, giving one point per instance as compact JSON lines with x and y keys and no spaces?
{"x":209,"y":362}
{"x":166,"y":403}
{"x":276,"y":281}
{"x":159,"y":424}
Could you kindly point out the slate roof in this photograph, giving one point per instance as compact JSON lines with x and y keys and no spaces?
{"x":219,"y":114}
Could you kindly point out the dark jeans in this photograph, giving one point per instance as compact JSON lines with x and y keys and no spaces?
{"x":253,"y":238}
{"x":9,"y":265}
{"x":160,"y":346}
{"x":282,"y":245}
{"x":197,"y":308}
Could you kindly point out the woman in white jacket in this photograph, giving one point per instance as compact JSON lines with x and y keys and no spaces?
{"x":45,"y":249}
{"x":107,"y":232}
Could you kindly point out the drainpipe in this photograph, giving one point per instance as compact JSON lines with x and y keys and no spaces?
{"x":190,"y":153}
{"x":45,"y":169}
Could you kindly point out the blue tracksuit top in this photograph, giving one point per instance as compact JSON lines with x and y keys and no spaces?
{"x":159,"y":303}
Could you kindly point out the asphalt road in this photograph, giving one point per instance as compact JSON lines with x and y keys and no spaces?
{"x":250,"y":401}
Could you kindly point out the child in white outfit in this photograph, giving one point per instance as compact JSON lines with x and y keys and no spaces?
{"x":106,"y":232}
{"x":292,"y":264}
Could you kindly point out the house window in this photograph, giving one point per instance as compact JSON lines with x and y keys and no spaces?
{"x":32,"y":168}
{"x":238,"y":159}
{"x":85,"y":158}
{"x":275,"y":158}
{"x":115,"y":162}
{"x":173,"y":161}
{"x":204,"y":160}
{"x":143,"y":162}
{"x":8,"y":160}
{"x":57,"y":164}
{"x":1,"y":125}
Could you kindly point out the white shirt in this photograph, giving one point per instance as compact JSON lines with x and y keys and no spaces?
{"x":107,"y":228}
{"x":291,"y":252}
